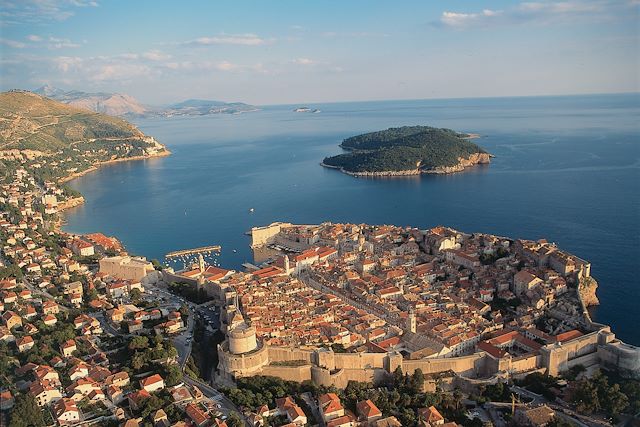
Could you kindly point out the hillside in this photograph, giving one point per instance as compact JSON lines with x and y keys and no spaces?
{"x":72,"y":140}
{"x":407,"y":150}
{"x":113,"y":104}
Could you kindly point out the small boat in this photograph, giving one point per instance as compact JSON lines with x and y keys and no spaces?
{"x":234,"y":251}
{"x":251,"y":210}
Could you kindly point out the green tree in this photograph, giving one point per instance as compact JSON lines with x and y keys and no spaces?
{"x":26,"y":412}
{"x":613,"y":400}
{"x":135,"y":295}
{"x":139,"y":342}
{"x":235,"y":420}
{"x":173,"y":375}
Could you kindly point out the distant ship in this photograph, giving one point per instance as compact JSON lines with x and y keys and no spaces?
{"x":306,"y":110}
{"x":251,"y":210}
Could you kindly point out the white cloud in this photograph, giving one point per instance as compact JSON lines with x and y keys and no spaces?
{"x":156,"y":55}
{"x":118,"y":72}
{"x":16,"y":12}
{"x":543,"y":11}
{"x":58,"y":43}
{"x":226,"y":66}
{"x":454,"y":19}
{"x":304,"y":61}
{"x":232,"y":39}
{"x":34,"y":38}
{"x":128,"y":56}
{"x":68,"y":63}
{"x":12,"y":43}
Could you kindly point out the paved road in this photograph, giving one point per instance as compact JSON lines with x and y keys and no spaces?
{"x":37,"y":291}
{"x":314,"y":408}
{"x":226,"y":406}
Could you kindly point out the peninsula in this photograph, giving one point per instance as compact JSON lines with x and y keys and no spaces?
{"x":58,"y":142}
{"x":408,"y":150}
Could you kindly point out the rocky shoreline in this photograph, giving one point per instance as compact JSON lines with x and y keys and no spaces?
{"x":463,"y":163}
{"x":96,"y":166}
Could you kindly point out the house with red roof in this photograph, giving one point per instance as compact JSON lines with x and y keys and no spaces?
{"x":197,"y":415}
{"x":137,"y":397}
{"x":368,"y":411}
{"x":431,"y":416}
{"x":66,"y":411}
{"x":330,"y":406}
{"x":152,"y":383}
{"x":25,"y":343}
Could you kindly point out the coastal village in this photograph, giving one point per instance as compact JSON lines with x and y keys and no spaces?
{"x":84,"y":340}
{"x":339,"y":325}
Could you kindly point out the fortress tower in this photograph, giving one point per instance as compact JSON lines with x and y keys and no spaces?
{"x":242,"y":338}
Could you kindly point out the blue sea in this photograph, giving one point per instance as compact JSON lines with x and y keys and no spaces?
{"x":566,"y":169}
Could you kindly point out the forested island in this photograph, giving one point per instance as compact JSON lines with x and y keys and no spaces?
{"x":407,"y":150}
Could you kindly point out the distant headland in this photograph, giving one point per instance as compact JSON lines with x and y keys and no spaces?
{"x":408,"y":150}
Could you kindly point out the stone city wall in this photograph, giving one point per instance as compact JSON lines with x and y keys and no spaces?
{"x":265,"y":235}
{"x":289,"y":354}
{"x":469,"y":366}
{"x":288,"y":373}
{"x":556,"y":357}
{"x":624,"y":358}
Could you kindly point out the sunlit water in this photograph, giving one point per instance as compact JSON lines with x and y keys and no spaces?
{"x":566,"y":169}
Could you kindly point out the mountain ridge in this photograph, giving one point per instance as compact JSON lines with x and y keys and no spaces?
{"x":124,"y":105}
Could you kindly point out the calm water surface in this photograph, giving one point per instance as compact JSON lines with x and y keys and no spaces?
{"x":566,"y":169}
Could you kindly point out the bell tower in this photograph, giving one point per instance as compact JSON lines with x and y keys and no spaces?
{"x":201,"y":263}
{"x":412,"y":322}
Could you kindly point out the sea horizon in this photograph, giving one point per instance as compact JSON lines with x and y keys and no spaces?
{"x":447,"y":98}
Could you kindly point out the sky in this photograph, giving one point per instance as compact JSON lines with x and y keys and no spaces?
{"x":284,"y":52}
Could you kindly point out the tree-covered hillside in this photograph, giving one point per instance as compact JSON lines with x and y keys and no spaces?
{"x":54,"y":140}
{"x":32,"y":122}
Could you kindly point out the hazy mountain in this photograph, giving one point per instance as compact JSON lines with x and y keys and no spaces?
{"x":116,"y":104}
{"x":113,"y":104}
{"x":201,"y":107}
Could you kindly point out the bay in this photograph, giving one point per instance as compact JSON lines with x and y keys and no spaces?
{"x":566,"y":169}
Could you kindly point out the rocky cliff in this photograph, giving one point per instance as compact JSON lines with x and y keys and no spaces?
{"x":472,"y":160}
{"x":70,"y":203}
{"x":587,"y":289}
{"x":463,"y":163}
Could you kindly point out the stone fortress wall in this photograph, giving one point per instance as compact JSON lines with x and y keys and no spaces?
{"x":325,"y":367}
{"x":266,"y":235}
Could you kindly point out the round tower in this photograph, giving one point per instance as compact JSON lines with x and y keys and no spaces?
{"x":242,"y":339}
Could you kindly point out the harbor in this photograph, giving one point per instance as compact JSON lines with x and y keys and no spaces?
{"x":187,"y":252}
